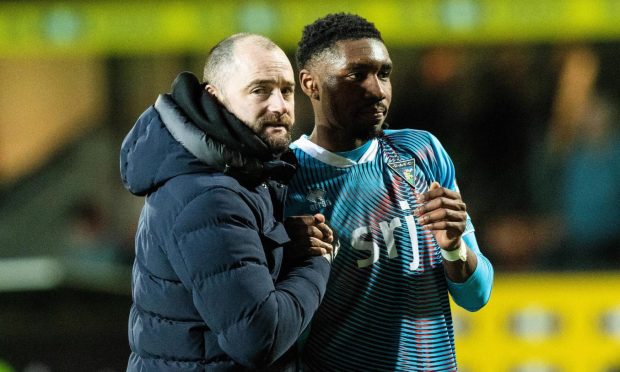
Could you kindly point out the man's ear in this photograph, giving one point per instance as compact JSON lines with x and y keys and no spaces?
{"x":213,"y":91}
{"x":308,"y":84}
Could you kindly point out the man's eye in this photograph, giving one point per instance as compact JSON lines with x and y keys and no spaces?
{"x":384,"y":75}
{"x":356,"y":76}
{"x":260,"y":91}
{"x":288,"y":91}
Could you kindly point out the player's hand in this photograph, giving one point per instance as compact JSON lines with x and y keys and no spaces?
{"x":443,"y":212}
{"x":310,"y":236}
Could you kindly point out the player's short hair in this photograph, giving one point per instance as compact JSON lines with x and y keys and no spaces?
{"x":222,"y":54}
{"x":323,"y":33}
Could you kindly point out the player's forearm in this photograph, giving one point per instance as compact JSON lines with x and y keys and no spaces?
{"x":459,"y":271}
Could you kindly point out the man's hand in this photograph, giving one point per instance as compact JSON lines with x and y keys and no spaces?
{"x":310,"y":236}
{"x":444,"y":213}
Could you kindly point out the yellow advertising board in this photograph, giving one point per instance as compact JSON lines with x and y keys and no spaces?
{"x":543,"y":322}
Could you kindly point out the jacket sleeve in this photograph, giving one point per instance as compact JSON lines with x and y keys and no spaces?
{"x":222,"y":261}
{"x":475,"y":292}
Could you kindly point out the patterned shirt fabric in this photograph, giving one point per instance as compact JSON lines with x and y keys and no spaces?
{"x":387,"y":304}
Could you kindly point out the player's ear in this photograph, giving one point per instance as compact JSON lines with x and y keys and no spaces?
{"x":308,"y":84}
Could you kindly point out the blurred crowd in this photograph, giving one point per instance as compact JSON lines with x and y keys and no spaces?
{"x":534,"y":136}
{"x":92,"y":237}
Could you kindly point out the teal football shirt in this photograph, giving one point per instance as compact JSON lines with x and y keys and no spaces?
{"x":387,"y":306}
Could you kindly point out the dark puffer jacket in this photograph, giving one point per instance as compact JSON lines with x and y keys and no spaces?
{"x":210,"y":290}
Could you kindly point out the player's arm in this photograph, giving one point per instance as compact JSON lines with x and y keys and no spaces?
{"x":458,"y":270}
{"x":475,"y":292}
{"x":443,"y":212}
{"x":469,"y":273}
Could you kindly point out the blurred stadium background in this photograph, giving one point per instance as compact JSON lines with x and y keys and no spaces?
{"x":524,"y":95}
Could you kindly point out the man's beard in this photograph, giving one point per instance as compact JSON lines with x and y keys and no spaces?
{"x":276,"y":143}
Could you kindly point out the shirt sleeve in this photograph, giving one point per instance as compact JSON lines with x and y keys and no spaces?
{"x":475,"y":292}
{"x":222,"y":260}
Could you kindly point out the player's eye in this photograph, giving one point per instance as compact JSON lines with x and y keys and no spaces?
{"x":356,"y":75}
{"x":384,"y":74}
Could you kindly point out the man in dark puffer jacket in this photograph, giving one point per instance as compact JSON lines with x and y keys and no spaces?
{"x":213,"y":287}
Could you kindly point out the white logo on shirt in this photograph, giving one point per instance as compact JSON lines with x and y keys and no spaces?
{"x":317,"y":199}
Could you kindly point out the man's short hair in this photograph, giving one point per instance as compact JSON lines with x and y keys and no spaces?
{"x":222,"y":54}
{"x":323,"y":33}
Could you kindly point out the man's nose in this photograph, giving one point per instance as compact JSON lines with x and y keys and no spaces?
{"x":277,"y":103}
{"x":374,"y":87}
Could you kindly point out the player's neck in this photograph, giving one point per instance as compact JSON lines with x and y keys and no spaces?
{"x":333,"y":139}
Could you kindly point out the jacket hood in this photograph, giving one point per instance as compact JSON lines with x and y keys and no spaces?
{"x":187,"y":131}
{"x":150,"y":156}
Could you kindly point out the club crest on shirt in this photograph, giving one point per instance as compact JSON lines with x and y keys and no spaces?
{"x":405,"y":169}
{"x":317,"y":199}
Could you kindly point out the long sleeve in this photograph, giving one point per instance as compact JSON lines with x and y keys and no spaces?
{"x":220,"y":256}
{"x":475,"y":292}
